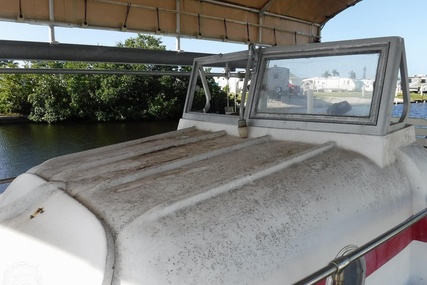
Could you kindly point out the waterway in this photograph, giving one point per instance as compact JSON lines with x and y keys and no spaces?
{"x":418,"y":110}
{"x":25,"y":145}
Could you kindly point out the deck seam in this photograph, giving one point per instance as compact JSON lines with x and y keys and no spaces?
{"x":179,"y":163}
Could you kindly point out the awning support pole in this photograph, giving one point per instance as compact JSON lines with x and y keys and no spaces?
{"x":51,"y":25}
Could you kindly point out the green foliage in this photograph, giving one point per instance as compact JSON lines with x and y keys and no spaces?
{"x":4,"y":105}
{"x":8,"y":64}
{"x":413,"y":96}
{"x":53,"y":97}
{"x":50,"y":100}
{"x":14,"y":90}
{"x":122,"y":97}
{"x":143,"y":42}
{"x":82,"y":89}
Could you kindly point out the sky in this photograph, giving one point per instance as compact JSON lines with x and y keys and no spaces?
{"x":367,"y":19}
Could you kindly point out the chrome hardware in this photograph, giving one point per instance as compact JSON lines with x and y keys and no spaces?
{"x":353,"y":273}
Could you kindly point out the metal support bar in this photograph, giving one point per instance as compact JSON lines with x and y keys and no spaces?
{"x":6,"y":180}
{"x":106,"y":71}
{"x":51,"y":20}
{"x":251,"y":52}
{"x":85,"y":24}
{"x":159,"y":30}
{"x":125,"y":22}
{"x":95,"y":71}
{"x":20,"y":16}
{"x":206,"y":89}
{"x":17,"y":50}
{"x":405,"y":87}
{"x":256,"y":11}
{"x":340,"y":263}
{"x":178,"y":25}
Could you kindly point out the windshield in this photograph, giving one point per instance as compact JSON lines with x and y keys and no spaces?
{"x":323,"y":86}
{"x":328,"y":85}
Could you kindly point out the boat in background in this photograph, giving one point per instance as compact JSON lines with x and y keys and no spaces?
{"x":268,"y":195}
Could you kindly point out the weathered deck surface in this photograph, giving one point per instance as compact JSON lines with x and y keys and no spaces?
{"x":126,"y":180}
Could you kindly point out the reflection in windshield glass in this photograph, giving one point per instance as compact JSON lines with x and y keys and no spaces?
{"x":330,"y":85}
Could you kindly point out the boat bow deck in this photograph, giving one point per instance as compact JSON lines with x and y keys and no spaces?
{"x":170,"y":199}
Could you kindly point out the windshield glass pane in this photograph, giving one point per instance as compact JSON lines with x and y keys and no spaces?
{"x":340,"y":85}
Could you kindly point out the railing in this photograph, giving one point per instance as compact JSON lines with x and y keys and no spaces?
{"x":340,"y":263}
{"x":420,"y":130}
{"x":6,"y":180}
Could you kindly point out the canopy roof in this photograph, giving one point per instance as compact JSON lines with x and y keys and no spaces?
{"x":269,"y":22}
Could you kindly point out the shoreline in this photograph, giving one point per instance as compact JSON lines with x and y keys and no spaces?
{"x":13,"y":119}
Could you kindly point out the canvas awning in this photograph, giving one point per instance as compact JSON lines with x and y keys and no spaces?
{"x":269,"y":22}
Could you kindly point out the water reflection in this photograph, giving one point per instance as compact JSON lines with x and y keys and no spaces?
{"x":23,"y":146}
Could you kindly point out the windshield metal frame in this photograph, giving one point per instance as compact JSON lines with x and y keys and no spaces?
{"x":239,"y":59}
{"x":391,"y":61}
{"x":373,"y":114}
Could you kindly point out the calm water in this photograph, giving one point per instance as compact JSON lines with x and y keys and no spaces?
{"x":418,"y":110}
{"x":25,"y":145}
